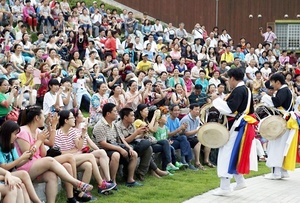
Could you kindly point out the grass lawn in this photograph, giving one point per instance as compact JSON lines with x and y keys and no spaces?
{"x":183,"y":185}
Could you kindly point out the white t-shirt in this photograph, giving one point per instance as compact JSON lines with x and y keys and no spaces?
{"x":85,"y":19}
{"x":153,"y":46}
{"x":214,"y":81}
{"x":157,"y":28}
{"x":250,"y":57}
{"x":198,"y":33}
{"x":96,"y":18}
{"x":70,"y":105}
{"x":88,"y":64}
{"x":213,"y":42}
{"x":49,"y":101}
{"x":18,"y":59}
{"x":159,"y":68}
{"x":195,"y":71}
{"x":251,"y":71}
{"x":265,"y":72}
{"x":225,"y":38}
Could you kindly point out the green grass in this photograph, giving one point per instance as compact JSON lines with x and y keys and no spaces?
{"x":184,"y":185}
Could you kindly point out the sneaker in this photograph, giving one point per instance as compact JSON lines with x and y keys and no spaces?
{"x":221,"y":192}
{"x":170,"y":174}
{"x":240,"y":186}
{"x":133,"y":184}
{"x":106,"y":186}
{"x":185,"y":165}
{"x":272,"y":176}
{"x":178,"y":164}
{"x":192,"y":167}
{"x":116,"y":188}
{"x":172,"y":168}
{"x":285,"y":175}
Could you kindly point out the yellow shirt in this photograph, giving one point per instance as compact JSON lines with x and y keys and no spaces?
{"x":228,"y":57}
{"x":159,"y":46}
{"x":23,"y":80}
{"x":143,"y":66}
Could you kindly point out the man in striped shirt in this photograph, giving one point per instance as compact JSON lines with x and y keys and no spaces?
{"x":117,"y":149}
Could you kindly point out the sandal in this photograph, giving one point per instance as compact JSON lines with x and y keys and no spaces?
{"x":84,"y":198}
{"x":72,"y":200}
{"x":262,"y":159}
{"x":209,"y":164}
{"x":84,"y":187}
{"x":200,"y":167}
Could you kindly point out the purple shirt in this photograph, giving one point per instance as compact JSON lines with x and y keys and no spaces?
{"x":269,"y":36}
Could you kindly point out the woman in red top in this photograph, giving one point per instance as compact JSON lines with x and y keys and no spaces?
{"x":110,"y":44}
{"x":45,"y":76}
{"x":126,"y":68}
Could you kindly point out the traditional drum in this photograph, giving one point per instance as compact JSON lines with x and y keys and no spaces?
{"x":208,"y":113}
{"x":261,"y":111}
{"x":271,"y":123}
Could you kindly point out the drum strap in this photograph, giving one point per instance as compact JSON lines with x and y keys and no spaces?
{"x":246,"y":111}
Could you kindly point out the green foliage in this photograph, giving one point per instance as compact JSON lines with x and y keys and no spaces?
{"x":184,"y":185}
{"x":88,"y":3}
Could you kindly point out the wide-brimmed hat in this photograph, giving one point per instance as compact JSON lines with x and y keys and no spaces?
{"x":213,"y":135}
{"x":272,"y":127}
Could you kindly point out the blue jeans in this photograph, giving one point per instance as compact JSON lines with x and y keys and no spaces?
{"x":181,"y":142}
{"x":85,"y":102}
{"x":135,"y":27}
{"x":163,"y":146}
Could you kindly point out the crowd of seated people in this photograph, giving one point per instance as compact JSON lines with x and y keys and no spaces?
{"x":141,"y":83}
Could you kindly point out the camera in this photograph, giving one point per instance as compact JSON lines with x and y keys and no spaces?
{"x":16,"y":87}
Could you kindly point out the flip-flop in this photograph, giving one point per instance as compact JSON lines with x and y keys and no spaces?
{"x":209,"y":164}
{"x":200,"y":167}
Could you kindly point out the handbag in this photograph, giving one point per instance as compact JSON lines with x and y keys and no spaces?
{"x":13,"y":114}
{"x":75,"y":48}
{"x":86,"y":149}
{"x":54,"y":151}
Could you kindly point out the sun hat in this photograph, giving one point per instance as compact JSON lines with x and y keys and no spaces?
{"x":272,"y":127}
{"x":213,"y":135}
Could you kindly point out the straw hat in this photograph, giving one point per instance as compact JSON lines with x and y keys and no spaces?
{"x":272,"y":127}
{"x":213,"y":135}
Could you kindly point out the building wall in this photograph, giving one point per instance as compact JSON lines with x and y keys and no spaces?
{"x":233,"y":14}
